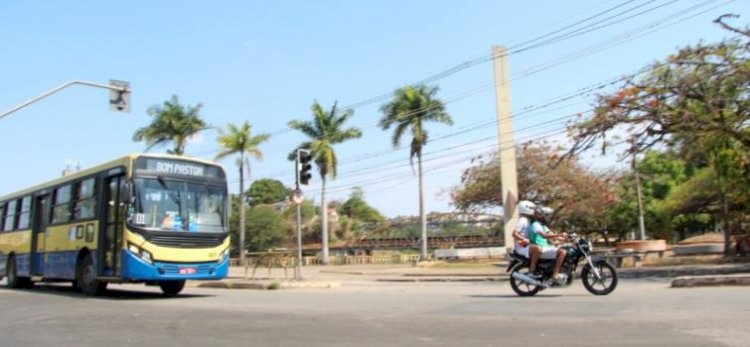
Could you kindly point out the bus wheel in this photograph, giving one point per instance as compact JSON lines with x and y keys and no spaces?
{"x":12,"y":272}
{"x":172,"y":288}
{"x":86,"y":278}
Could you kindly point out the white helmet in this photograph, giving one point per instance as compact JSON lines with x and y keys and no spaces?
{"x":526,"y":207}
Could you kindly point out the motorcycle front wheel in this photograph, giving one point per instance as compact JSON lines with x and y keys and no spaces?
{"x":522,"y":288}
{"x":603,"y":285}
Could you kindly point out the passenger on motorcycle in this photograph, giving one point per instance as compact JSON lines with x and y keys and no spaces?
{"x":540,"y":235}
{"x":521,"y":240}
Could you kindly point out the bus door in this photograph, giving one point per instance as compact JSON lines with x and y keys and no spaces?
{"x":110,"y":245}
{"x":38,"y":233}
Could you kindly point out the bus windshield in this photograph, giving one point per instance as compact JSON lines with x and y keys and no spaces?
{"x":168,"y":205}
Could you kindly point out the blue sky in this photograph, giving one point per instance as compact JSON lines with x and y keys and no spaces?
{"x":267,"y":61}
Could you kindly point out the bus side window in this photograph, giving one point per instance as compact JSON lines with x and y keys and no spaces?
{"x":2,"y":215}
{"x":61,"y":205}
{"x":25,"y":213}
{"x":10,"y":216}
{"x":85,"y":203}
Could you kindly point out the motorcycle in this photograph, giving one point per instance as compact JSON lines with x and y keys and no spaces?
{"x":599,"y":277}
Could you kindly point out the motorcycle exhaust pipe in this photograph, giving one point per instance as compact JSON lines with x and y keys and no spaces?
{"x":521,"y":277}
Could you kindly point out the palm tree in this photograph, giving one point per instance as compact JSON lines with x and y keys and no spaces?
{"x":410,"y":108}
{"x":324,"y":131}
{"x":239,"y":140}
{"x":173,"y":123}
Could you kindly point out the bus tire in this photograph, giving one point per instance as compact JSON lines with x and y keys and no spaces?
{"x":86,"y":277}
{"x":172,"y":288}
{"x":14,"y":281}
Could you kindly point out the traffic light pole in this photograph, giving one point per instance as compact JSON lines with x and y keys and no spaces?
{"x":55,"y":90}
{"x":300,"y":174}
{"x":298,"y":269}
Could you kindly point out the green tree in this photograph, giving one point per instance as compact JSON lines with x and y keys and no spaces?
{"x":172,"y":123}
{"x":356,"y":207}
{"x":695,"y":101}
{"x":411,"y":108}
{"x":267,"y":191}
{"x":324,"y":131}
{"x":267,"y":228}
{"x":239,"y":140}
{"x":356,"y":216}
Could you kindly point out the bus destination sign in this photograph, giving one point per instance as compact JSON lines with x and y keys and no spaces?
{"x":177,"y":168}
{"x":161,"y":166}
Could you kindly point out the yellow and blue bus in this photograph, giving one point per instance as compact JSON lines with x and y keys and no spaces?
{"x":144,"y":218}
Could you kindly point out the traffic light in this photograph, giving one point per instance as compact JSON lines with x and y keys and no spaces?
{"x":303,"y":166}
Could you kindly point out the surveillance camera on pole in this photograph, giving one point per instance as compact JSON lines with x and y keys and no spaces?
{"x":119,"y":96}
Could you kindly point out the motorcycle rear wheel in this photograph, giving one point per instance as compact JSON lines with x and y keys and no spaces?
{"x":522,"y":288}
{"x":603,"y":286}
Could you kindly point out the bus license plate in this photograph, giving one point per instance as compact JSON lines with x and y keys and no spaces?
{"x":187,"y":270}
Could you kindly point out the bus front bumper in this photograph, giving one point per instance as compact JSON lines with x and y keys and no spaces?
{"x":136,"y":269}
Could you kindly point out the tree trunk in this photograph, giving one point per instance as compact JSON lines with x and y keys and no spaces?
{"x":324,"y":221}
{"x":422,"y":216}
{"x":727,"y":226}
{"x":242,"y":209}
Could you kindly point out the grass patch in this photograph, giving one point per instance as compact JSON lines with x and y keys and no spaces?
{"x":274,"y":285}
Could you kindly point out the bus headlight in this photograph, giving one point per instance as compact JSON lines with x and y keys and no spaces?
{"x":141,"y":253}
{"x":146,"y":256}
{"x":223,"y":256}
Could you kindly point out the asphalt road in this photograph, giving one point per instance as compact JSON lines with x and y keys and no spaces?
{"x":638,"y":313}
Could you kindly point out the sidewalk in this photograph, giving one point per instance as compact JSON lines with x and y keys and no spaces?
{"x":332,"y":276}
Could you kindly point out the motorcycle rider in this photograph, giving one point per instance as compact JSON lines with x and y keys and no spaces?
{"x":539,"y":234}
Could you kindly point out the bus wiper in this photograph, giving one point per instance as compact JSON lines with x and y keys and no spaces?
{"x":162,"y":181}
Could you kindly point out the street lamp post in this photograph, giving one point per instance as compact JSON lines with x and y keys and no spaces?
{"x":119,"y":99}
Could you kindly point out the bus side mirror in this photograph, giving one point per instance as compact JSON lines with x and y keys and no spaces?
{"x":126,"y":195}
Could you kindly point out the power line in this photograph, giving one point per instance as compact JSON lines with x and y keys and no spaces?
{"x":431,"y":158}
{"x":659,"y":23}
{"x":525,"y":112}
{"x":440,"y":165}
{"x":592,"y":49}
{"x":679,"y":21}
{"x":515,"y":49}
{"x":479,"y":60}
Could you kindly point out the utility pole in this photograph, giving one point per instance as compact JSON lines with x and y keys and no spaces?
{"x":507,"y":152}
{"x":119,"y":97}
{"x":641,"y":222}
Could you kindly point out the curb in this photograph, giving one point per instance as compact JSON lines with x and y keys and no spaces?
{"x":268,"y":286}
{"x":442,"y":279}
{"x":449,"y":275}
{"x":711,"y":281}
{"x":671,"y":272}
